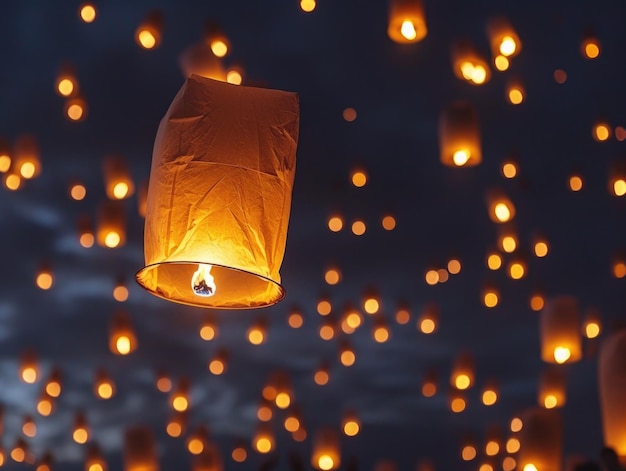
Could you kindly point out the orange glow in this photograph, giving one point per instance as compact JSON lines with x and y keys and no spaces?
{"x":501,"y":63}
{"x":550,"y":401}
{"x":263,"y":445}
{"x":147,"y":38}
{"x":432,"y":277}
{"x":490,"y":298}
{"x":327,"y":332}
{"x":358,"y":228}
{"x":321,"y":378}
{"x":516,"y":424}
{"x":269,"y":392}
{"x":44,"y":280}
{"x":358,"y":178}
{"x":592,"y":330}
{"x":508,"y":46}
{"x":591,"y":48}
{"x":517,"y":270}
{"x":208,"y":331}
{"x":80,"y":435}
{"x":454,"y":266}
{"x":76,"y":109}
{"x":492,"y":448}
{"x":112,"y":239}
{"x":18,"y":454}
{"x":537,"y":302}
{"x":560,"y":76}
{"x":515,"y":95}
{"x":29,"y":428}
{"x":512,"y":445}
{"x":429,"y":389}
{"x":174,"y":429}
{"x":619,"y":187}
{"x":66,"y":85}
{"x":282,"y":400}
{"x":509,"y":169}
{"x":427,"y":326}
{"x":264,"y":413}
{"x":332,"y":276}
{"x":508,"y":243}
{"x":219,"y":47}
{"x":381,"y":334}
{"x":601,"y":132}
{"x":443,"y":275}
{"x":45,"y":406}
{"x":403,"y":316}
{"x":295,"y":320}
{"x":256,"y":335}
{"x":502,"y":212}
{"x":217,"y":366}
{"x":575,"y":183}
{"x":123,"y":345}
{"x":468,"y":453}
{"x":347,"y":357}
{"x":5,"y":162}
{"x":120,"y":293}
{"x":164,"y":384}
{"x":87,"y":240}
{"x":541,"y":248}
{"x":105,"y":390}
{"x":371,"y":305}
{"x":234,"y":76}
{"x":462,"y":381}
{"x":562,"y":354}
{"x":494,"y":261}
{"x":29,"y":374}
{"x":78,"y":192}
{"x":12,"y":181}
{"x":389,"y":223}
{"x":239,"y":454}
{"x":489,"y":397}
{"x":457,"y":404}
{"x":335,"y":224}
{"x":195,"y":446}
{"x":324,"y":307}
{"x":87,"y":12}
{"x":291,"y":424}
{"x":349,"y":114}
{"x":307,"y":6}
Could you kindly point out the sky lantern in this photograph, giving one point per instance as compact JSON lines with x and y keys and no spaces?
{"x":29,"y":369}
{"x":26,"y":157}
{"x":617,"y":179}
{"x":380,"y":331}
{"x":234,"y":75}
{"x":118,"y":182}
{"x":428,"y":320}
{"x":541,"y":441}
{"x":503,"y":39}
{"x":45,"y":404}
{"x":457,"y":401}
{"x":148,"y":33}
{"x":328,"y":328}
{"x":139,"y":450}
{"x":198,"y":440}
{"x":209,"y":330}
{"x":462,"y":376}
{"x":326,"y":453}
{"x":199,"y":59}
{"x":515,"y":92}
{"x":560,"y":331}
{"x":500,"y":207}
{"x":77,"y":191}
{"x":44,"y":278}
{"x":263,"y":441}
{"x":264,"y":411}
{"x":163,"y":382}
{"x":351,"y":319}
{"x":493,"y":440}
{"x":257,"y":333}
{"x":216,"y":39}
{"x":517,"y":268}
{"x":122,"y":339}
{"x":66,"y":83}
{"x":612,"y":389}
{"x":510,"y":168}
{"x":322,"y":375}
{"x":5,"y":156}
{"x":601,"y":131}
{"x":239,"y":453}
{"x":29,"y":428}
{"x":324,"y":306}
{"x":86,"y":236}
{"x":104,"y":388}
{"x":552,"y":388}
{"x":76,"y":108}
{"x":407,"y":22}
{"x":208,"y":460}
{"x":94,"y":460}
{"x":618,"y":268}
{"x":179,"y":399}
{"x":468,"y":64}
{"x":459,"y":136}
{"x":489,"y":394}
{"x":176,"y":424}
{"x":429,"y":383}
{"x":592,"y":325}
{"x":120,"y":291}
{"x":80,"y":433}
{"x":508,"y":240}
{"x":347,"y":356}
{"x":20,"y":452}
{"x":541,"y":246}
{"x":53,"y":385}
{"x":293,"y":420}
{"x":468,"y":448}
{"x":350,"y":424}
{"x":44,"y":463}
{"x":111,"y":230}
{"x":371,"y":302}
{"x":207,"y":177}
{"x":491,"y":296}
{"x":590,"y":46}
{"x":219,"y":363}
{"x":87,"y":13}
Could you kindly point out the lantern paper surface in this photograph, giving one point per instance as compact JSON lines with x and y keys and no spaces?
{"x":219,"y":196}
{"x":541,"y":440}
{"x":612,"y":385}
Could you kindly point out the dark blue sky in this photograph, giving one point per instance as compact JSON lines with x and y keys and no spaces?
{"x":336,"y":57}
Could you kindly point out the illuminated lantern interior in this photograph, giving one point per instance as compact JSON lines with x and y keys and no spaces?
{"x":326,"y":453}
{"x":122,"y":339}
{"x":560,"y":331}
{"x":140,"y":450}
{"x":541,"y":441}
{"x":407,"y":22}
{"x":469,"y":65}
{"x":552,"y":388}
{"x":612,"y":390}
{"x":459,"y":136}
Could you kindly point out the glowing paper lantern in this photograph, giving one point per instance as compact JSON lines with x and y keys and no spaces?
{"x":499,"y":206}
{"x":104,"y":388}
{"x":590,"y":46}
{"x":263,"y":441}
{"x":468,"y":64}
{"x":326,"y":454}
{"x":429,"y":384}
{"x":234,"y":75}
{"x":5,"y":156}
{"x":80,"y":434}
{"x":198,"y":441}
{"x":86,"y":237}
{"x":468,"y":449}
{"x":503,"y":39}
{"x":179,"y":399}
{"x":176,"y":425}
{"x":216,"y":39}
{"x":94,"y":460}
{"x":219,"y":363}
{"x":87,"y":12}
{"x":117,"y":180}
{"x":45,"y":462}
{"x":198,"y":59}
{"x":552,"y":388}
{"x":53,"y":385}
{"x":111,"y":230}
{"x":350,"y":424}
{"x":148,"y":34}
{"x":560,"y":332}
{"x":347,"y":357}
{"x":29,"y":370}
{"x":515,"y":92}
{"x":139,"y":450}
{"x":592,"y":326}
{"x":407,"y":22}
{"x":45,"y":405}
{"x":462,"y":376}
{"x":489,"y":394}
{"x":122,"y":340}
{"x":26,"y":157}
{"x":541,"y":441}
{"x":76,"y":109}
{"x":208,"y":460}
{"x":429,"y":319}
{"x":617,"y":178}
{"x":459,"y":136}
{"x":29,"y":428}
{"x":220,"y":195}
{"x":66,"y":83}
{"x":612,"y":389}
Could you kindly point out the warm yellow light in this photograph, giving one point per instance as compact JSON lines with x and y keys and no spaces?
{"x":454,"y":266}
{"x":443,"y":275}
{"x":509,"y":244}
{"x":239,"y":454}
{"x":562,"y":354}
{"x":146,"y":39}
{"x":195,"y":446}
{"x":530,"y":467}
{"x":516,"y":424}
{"x":468,"y":453}
{"x":601,"y":132}
{"x":27,"y":170}
{"x":429,"y":389}
{"x":174,"y":429}
{"x":381,"y":334}
{"x":512,"y":445}
{"x":358,"y":228}
{"x":291,"y":424}
{"x":282,"y":400}
{"x":479,"y":74}
{"x":269,"y":392}
{"x":75,"y":111}
{"x":332,"y":276}
{"x":347,"y":358}
{"x":432,"y":277}
{"x":324,"y":307}
{"x":44,"y":280}
{"x":87,"y":13}
{"x":120,"y":293}
{"x":295,"y":320}
{"x":489,"y":397}
{"x":307,"y":6}
{"x":263,"y":445}
{"x":592,"y":49}
{"x":112,"y":239}
{"x":509,"y":170}
{"x":207,"y":332}
{"x":490,"y":299}
{"x":217,"y":366}
{"x":180,"y":403}
{"x":492,"y":448}
{"x":351,"y":428}
{"x":541,"y":249}
{"x":516,"y":270}
{"x":219,"y":47}
{"x":502,"y":63}
{"x":407,"y":29}
{"x":5,"y":163}
{"x":66,"y":86}
{"x":592,"y":330}
{"x":371,"y":305}
{"x":485,"y":467}
{"x":44,"y":407}
{"x":550,"y":401}
{"x":18,"y":455}
{"x":516,"y":96}
{"x":467,"y":69}
{"x":619,"y":187}
{"x":335,"y":224}
{"x":462,"y":381}
{"x":53,"y":388}
{"x":87,"y":240}
{"x":12,"y":181}
{"x":354,"y":320}
{"x":327,"y":332}
{"x":234,"y":77}
{"x":427,"y":326}
{"x":105,"y":390}
{"x":202,"y":282}
{"x":80,"y":435}
{"x":29,"y":374}
{"x":457,"y":405}
{"x":494,"y":261}
{"x":122,"y":345}
{"x":78,"y":192}
{"x":359,"y":178}
{"x":389,"y":223}
{"x":461,"y":157}
{"x":502,"y":212}
{"x":537,"y":302}
{"x":575,"y":183}
{"x":508,"y":46}
{"x":321,"y":378}
{"x":29,"y":429}
{"x":325,"y":463}
{"x":255,"y":336}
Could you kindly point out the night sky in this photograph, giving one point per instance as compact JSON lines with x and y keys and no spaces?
{"x":338,"y":56}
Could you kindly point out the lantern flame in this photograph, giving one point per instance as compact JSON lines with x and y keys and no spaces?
{"x":202,"y":282}
{"x":461,"y":157}
{"x":562,"y":354}
{"x":408,"y":30}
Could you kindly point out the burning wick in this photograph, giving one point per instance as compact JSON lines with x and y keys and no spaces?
{"x":202,"y":282}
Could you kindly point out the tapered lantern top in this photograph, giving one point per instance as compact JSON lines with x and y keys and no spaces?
{"x":219,"y":196}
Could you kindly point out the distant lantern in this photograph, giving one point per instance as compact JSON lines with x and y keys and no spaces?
{"x":179,"y":399}
{"x":429,"y":319}
{"x":590,"y":46}
{"x":491,"y":297}
{"x":104,"y":388}
{"x":612,"y":389}
{"x":541,"y":441}
{"x":239,"y":453}
{"x":176,"y":424}
{"x":537,"y":301}
{"x":20,"y":452}
{"x":234,"y":75}
{"x":308,"y":6}
{"x":111,"y":230}
{"x":29,"y":370}
{"x":552,"y":388}
{"x":459,"y":136}
{"x":208,"y":460}
{"x":456,"y":401}
{"x":494,"y":260}
{"x":77,"y":191}
{"x":510,"y":168}
{"x":5,"y":156}
{"x":45,"y":462}
{"x":500,"y":207}
{"x":216,"y":39}
{"x":350,"y":424}
{"x":219,"y":363}
{"x":66,"y":82}
{"x":26,"y":157}
{"x":148,"y":34}
{"x":326,"y":454}
{"x":163,"y":382}
{"x":118,"y":182}
{"x":380,"y":331}
{"x":468,"y":449}
{"x":264,"y":411}
{"x":295,"y":319}
{"x":94,"y":460}
{"x":541,"y":246}
{"x":493,"y":441}
{"x":601,"y":131}
{"x":351,"y":319}
{"x":120,"y":291}
{"x":429,"y":384}
{"x":560,"y":332}
{"x":53,"y":385}
{"x":293,"y":421}
{"x":80,"y":433}
{"x":86,"y":236}
{"x":327,"y":329}
{"x":198,"y":440}
{"x":257,"y":333}
{"x":87,"y":13}
{"x":592,"y":325}
{"x":44,"y":278}
{"x":489,"y":395}
{"x":618,"y":268}
{"x":617,"y":178}
{"x":198,"y":59}
{"x":324,"y":306}
{"x":403,"y":315}
{"x":407,"y":21}
{"x":515,"y":92}
{"x":517,"y":268}
{"x":209,"y":329}
{"x":29,"y":428}
{"x":12,"y":181}
{"x":140,"y":450}
{"x":347,"y":356}
{"x":322,"y":375}
{"x":575,"y":182}
{"x":503,"y":39}
{"x":462,"y":376}
{"x":507,"y":238}
{"x":76,"y":109}
{"x":122,"y":339}
{"x":206,"y":182}
{"x":468,"y":64}
{"x":45,"y":404}
{"x":263,"y":440}
{"x":332,"y":276}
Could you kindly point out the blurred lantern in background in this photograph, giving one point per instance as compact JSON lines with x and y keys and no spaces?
{"x":216,"y":39}
{"x":552,"y":388}
{"x":459,"y":136}
{"x":176,"y":424}
{"x":120,"y":291}
{"x":326,"y":454}
{"x":500,"y":207}
{"x":94,"y":460}
{"x":592,"y":325}
{"x":53,"y":385}
{"x":198,"y":440}
{"x":617,"y":178}
{"x":211,"y":259}
{"x":560,"y":331}
{"x":350,"y":424}
{"x":26,"y":161}
{"x":612,"y":389}
{"x":468,"y":448}
{"x":122,"y":340}
{"x":44,"y":278}
{"x":5,"y":156}
{"x":541,"y":441}
{"x":88,"y":13}
{"x":590,"y":45}
{"x":76,"y":108}
{"x":219,"y":363}
{"x":179,"y":399}
{"x":80,"y":433}
{"x":148,"y":33}
{"x":429,"y":383}
{"x":263,"y":440}
{"x":29,"y":370}
{"x":86,"y":236}
{"x":66,"y":83}
{"x":462,"y":376}
{"x":208,"y":460}
{"x":104,"y":388}
{"x":468,"y":64}
{"x":111,"y":231}
{"x":407,"y":22}
{"x":515,"y":92}
{"x":139,"y":450}
{"x":29,"y":428}
{"x":234,"y":75}
{"x":489,"y":393}
{"x":504,"y":42}
{"x":117,"y":180}
{"x":198,"y":59}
